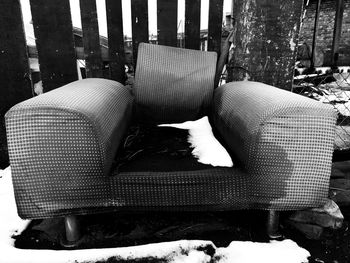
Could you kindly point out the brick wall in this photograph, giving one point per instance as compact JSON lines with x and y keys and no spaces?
{"x":325,"y":30}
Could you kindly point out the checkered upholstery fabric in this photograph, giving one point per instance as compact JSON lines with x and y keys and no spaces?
{"x":173,"y":84}
{"x":208,"y":189}
{"x":285,"y":141}
{"x":62,"y":144}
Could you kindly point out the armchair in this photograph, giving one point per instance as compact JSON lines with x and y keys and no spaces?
{"x":64,"y":145}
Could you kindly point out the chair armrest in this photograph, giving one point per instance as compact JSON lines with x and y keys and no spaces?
{"x":96,"y":108}
{"x":277,"y":135}
{"x":59,"y":139}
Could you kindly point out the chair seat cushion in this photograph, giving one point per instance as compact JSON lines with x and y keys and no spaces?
{"x":156,"y":170}
{"x":157,"y":149}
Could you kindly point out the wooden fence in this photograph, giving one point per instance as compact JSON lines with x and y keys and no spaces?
{"x":56,"y":48}
{"x":55,"y":43}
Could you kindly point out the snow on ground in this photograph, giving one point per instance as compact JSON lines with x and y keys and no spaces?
{"x":286,"y":251}
{"x":206,"y":148}
{"x":10,"y":223}
{"x":337,"y":92}
{"x":320,"y":70}
{"x":183,"y":251}
{"x":343,"y":109}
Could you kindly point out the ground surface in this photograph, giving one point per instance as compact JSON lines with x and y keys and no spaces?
{"x":113,"y":230}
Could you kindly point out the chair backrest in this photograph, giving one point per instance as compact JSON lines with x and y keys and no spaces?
{"x":173,"y":84}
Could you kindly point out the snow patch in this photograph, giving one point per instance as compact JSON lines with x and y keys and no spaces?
{"x":34,"y":64}
{"x":292,"y":44}
{"x":10,"y":223}
{"x":342,"y":79}
{"x":194,"y":256}
{"x":343,"y":109}
{"x":246,"y":77}
{"x":38,"y":88}
{"x":286,"y":251}
{"x":344,"y":69}
{"x":206,"y":148}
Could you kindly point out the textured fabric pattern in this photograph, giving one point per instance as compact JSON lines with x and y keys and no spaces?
{"x":173,"y":84}
{"x":62,"y":143}
{"x":217,"y":188}
{"x":285,"y":141}
{"x":210,"y":189}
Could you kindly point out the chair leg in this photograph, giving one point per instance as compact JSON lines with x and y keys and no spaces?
{"x":72,"y":231}
{"x":273,"y":225}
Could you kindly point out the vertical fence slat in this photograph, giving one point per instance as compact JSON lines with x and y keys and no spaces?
{"x":337,"y":31}
{"x":91,"y":39}
{"x":167,"y":22}
{"x":15,"y":84}
{"x":139,"y":16}
{"x":54,"y":39}
{"x":192,"y":24}
{"x":215,"y":25}
{"x":115,"y":40}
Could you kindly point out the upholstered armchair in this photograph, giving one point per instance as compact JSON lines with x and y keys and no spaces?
{"x":74,"y":150}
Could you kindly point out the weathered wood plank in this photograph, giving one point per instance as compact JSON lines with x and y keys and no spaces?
{"x":167,"y":22}
{"x":139,"y":17}
{"x":339,"y":11}
{"x":192,"y":24}
{"x":54,"y":39}
{"x":116,"y":40}
{"x":15,"y":83}
{"x":91,"y":39}
{"x":265,"y":41}
{"x":215,"y":25}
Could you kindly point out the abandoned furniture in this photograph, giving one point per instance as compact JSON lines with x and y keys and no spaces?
{"x":63,"y":144}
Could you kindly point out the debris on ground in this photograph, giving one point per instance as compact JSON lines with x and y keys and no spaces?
{"x":312,"y":222}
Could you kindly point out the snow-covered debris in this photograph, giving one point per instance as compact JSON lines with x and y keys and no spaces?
{"x":38,"y":88}
{"x":286,"y":251}
{"x":193,"y":256}
{"x":338,"y":97}
{"x":206,"y":148}
{"x":342,"y":79}
{"x":343,"y":108}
